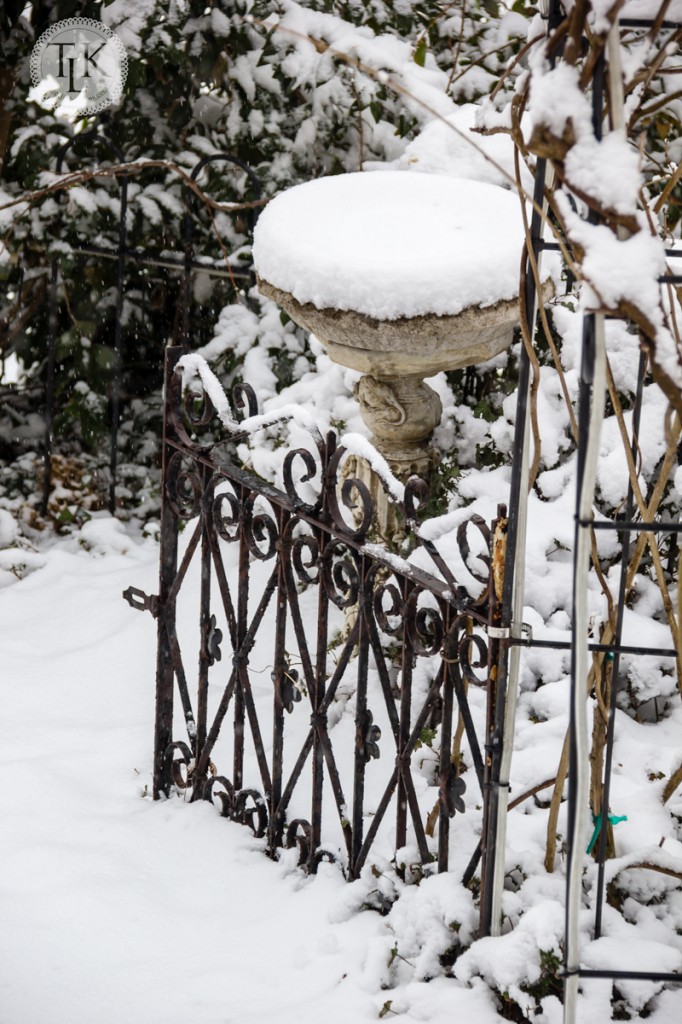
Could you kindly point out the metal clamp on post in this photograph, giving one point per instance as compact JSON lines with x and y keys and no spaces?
{"x":499,"y":632}
{"x":504,"y":633}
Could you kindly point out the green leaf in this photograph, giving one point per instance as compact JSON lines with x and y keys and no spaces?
{"x":420,"y":52}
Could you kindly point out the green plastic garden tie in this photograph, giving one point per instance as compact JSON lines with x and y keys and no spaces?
{"x":613,"y":819}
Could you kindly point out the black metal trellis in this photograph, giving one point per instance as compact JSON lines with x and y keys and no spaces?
{"x":185,"y":263}
{"x":188,"y":232}
{"x":315,"y":550}
{"x":120,"y":251}
{"x":626,"y":524}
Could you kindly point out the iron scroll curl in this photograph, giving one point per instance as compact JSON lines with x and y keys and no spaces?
{"x":183,"y":486}
{"x":425,"y":625}
{"x":260,"y":528}
{"x":190,"y":410}
{"x":305,"y":556}
{"x":226,"y":515}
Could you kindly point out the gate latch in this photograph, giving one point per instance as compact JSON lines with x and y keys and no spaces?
{"x":141,"y":601}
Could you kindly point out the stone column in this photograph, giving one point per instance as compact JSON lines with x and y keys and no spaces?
{"x":402,"y":413}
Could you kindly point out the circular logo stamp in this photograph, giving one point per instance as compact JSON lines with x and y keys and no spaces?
{"x":81,"y":60}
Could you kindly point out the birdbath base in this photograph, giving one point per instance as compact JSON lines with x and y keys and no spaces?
{"x":402,"y":413}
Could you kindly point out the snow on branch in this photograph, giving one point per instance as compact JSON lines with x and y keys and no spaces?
{"x":617,"y":247}
{"x":194,"y":369}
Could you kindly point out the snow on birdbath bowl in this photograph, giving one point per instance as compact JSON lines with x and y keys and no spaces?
{"x":400,"y":275}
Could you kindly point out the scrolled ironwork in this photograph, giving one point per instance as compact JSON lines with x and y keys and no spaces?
{"x":323,"y":855}
{"x":259,"y":529}
{"x":465,"y":549}
{"x":191,"y":409}
{"x":244,"y":401}
{"x":468,"y":649}
{"x":225,"y":795}
{"x":341,"y":574}
{"x":473,"y":643}
{"x":180,"y":762}
{"x":387,"y":602}
{"x":183,"y":486}
{"x":417,"y":496}
{"x":250,"y":809}
{"x":321,"y":563}
{"x":299,"y":835}
{"x":305,"y":556}
{"x":425,"y":627}
{"x":311,"y":469}
{"x":355,"y":497}
{"x":226,"y":523}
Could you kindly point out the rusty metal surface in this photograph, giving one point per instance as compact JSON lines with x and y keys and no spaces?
{"x":267,"y":576}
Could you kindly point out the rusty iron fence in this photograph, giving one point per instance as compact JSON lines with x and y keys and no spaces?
{"x":342,"y":698}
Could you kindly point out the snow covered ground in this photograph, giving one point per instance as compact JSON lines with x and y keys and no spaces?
{"x":118,"y":908}
{"x":115,"y":908}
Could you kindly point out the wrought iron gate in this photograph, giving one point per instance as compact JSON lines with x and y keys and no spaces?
{"x":301,"y":619}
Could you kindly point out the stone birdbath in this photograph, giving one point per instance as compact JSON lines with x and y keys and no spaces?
{"x":399,"y":275}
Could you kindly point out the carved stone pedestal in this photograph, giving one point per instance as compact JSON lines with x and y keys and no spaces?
{"x":402,"y":413}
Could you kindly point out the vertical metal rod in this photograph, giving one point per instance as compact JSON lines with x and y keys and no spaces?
{"x":617,"y":119}
{"x":118,"y":336}
{"x":494,"y":843}
{"x":404,"y":732}
{"x":361,"y":708}
{"x":53,"y":322}
{"x":493,"y":740}
{"x":445,"y":752}
{"x":168,"y":565}
{"x":512,"y":605}
{"x":610,"y":730}
{"x":318,"y":697}
{"x":241,"y":666}
{"x":204,"y":617}
{"x":590,"y":416}
{"x":591,"y":398}
{"x":280,"y":667}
